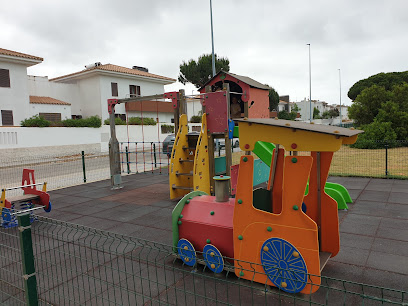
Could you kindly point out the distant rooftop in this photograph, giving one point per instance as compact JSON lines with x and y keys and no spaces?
{"x":46,"y":100}
{"x":114,"y":68}
{"x":241,"y":78}
{"x":19,"y":54}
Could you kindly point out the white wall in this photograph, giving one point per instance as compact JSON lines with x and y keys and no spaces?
{"x":304,"y":107}
{"x":41,"y":86}
{"x":21,"y":137}
{"x":193,"y":108}
{"x":15,"y":98}
{"x":64,"y":110}
{"x":146,"y":88}
{"x":90,"y":97}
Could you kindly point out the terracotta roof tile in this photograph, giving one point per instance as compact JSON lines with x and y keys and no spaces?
{"x":115,"y":68}
{"x":18,"y":54}
{"x":46,"y":100}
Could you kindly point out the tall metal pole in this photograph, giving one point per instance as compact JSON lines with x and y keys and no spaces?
{"x":310,"y":85}
{"x":341,"y":122}
{"x":212,"y":41}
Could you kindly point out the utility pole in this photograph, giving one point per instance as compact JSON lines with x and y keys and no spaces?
{"x":212,"y":41}
{"x":341,"y":121}
{"x":310,"y":85}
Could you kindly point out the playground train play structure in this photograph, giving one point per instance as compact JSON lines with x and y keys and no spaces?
{"x":282,"y":234}
{"x":11,"y":206}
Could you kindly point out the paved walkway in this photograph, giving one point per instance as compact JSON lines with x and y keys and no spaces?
{"x":374,"y":231}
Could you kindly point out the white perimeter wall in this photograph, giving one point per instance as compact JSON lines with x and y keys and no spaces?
{"x":15,"y":98}
{"x":20,"y":137}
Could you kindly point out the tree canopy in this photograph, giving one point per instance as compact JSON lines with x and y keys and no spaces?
{"x":381,"y":113}
{"x":273,"y":99}
{"x":386,"y":80}
{"x":200,"y":71}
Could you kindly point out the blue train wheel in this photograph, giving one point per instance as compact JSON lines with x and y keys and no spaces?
{"x":284,"y":265}
{"x":47,"y":208}
{"x":187,"y":252}
{"x":6,"y":215}
{"x":213,"y":258}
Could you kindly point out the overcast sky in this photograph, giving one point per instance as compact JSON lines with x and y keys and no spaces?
{"x":265,"y":40}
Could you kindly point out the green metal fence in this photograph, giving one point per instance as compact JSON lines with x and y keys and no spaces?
{"x":386,"y":161}
{"x":77,"y":265}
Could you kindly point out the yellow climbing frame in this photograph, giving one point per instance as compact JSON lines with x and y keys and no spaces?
{"x":181,"y":163}
{"x":201,"y":174}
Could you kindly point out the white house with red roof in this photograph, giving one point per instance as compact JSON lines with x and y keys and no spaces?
{"x":79,"y":94}
{"x":14,"y":94}
{"x":97,"y":83}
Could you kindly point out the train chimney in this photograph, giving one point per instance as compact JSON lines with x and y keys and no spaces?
{"x":221,"y":188}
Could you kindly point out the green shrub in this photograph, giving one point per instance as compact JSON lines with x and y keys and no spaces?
{"x":118,"y":121}
{"x":287,"y":116}
{"x":140,"y":121}
{"x":35,"y":121}
{"x":376,"y":136}
{"x":133,"y":121}
{"x":195,"y":119}
{"x":167,"y":128}
{"x":94,"y":122}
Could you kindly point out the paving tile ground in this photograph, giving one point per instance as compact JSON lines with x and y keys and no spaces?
{"x":373,"y":232}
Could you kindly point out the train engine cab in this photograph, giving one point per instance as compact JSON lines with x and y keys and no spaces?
{"x":279,"y":236}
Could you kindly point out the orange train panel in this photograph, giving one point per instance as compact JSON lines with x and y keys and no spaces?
{"x":253,"y":225}
{"x":329,"y":228}
{"x":278,"y":182}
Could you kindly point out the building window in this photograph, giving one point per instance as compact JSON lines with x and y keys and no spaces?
{"x":121,"y":116}
{"x":7,"y":117}
{"x":4,"y":78}
{"x":114,"y":87}
{"x":76,"y":116}
{"x":53,"y":117}
{"x":134,"y":90}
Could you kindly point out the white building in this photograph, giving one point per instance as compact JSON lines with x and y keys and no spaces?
{"x":97,"y":84}
{"x":80,"y":94}
{"x":14,"y":94}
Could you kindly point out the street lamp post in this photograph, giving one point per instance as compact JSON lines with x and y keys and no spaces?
{"x":212,"y":41}
{"x":310,"y":85}
{"x":341,"y":122}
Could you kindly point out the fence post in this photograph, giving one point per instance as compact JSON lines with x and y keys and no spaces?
{"x":386,"y":159}
{"x":154,"y":155}
{"x":27,"y":255}
{"x":83,"y":165}
{"x":127,"y":160}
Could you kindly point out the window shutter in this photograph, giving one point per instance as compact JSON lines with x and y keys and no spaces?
{"x":53,"y":117}
{"x":114,"y":87}
{"x":4,"y":78}
{"x":7,"y":117}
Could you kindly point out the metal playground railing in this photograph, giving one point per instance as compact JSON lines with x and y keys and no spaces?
{"x":58,"y":263}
